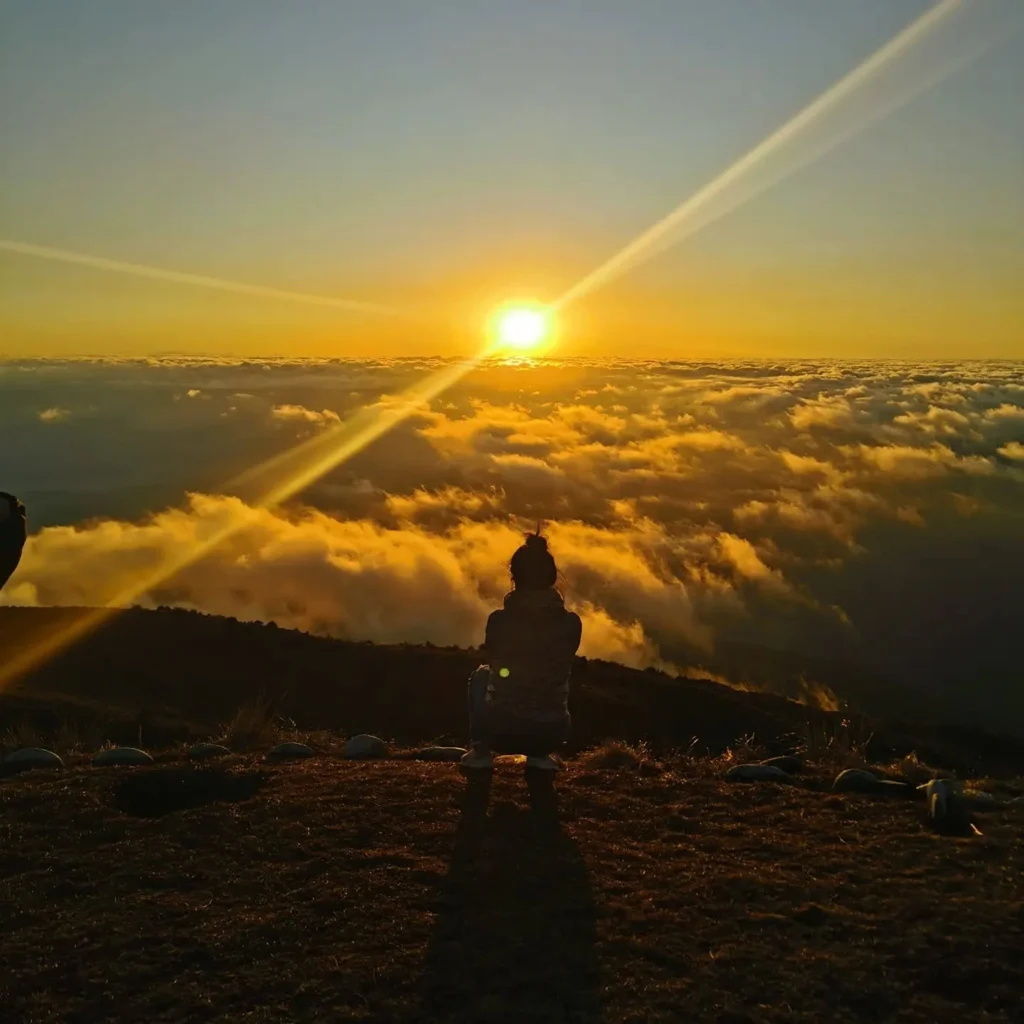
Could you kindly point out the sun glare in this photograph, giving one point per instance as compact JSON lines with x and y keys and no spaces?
{"x":521,"y":327}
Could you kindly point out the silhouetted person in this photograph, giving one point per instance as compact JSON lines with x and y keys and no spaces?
{"x":12,"y":535}
{"x":518,"y":702}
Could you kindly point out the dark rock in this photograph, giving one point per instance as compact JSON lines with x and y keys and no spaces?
{"x":364,"y":746}
{"x":756,"y":773}
{"x":31,"y":757}
{"x":288,"y":750}
{"x":452,"y":754}
{"x":981,"y":800}
{"x":855,"y":780}
{"x":813,"y":914}
{"x":946,"y":809}
{"x":122,"y":755}
{"x":788,"y":763}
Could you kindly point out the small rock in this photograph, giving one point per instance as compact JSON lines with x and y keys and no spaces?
{"x":946,"y":809}
{"x":788,"y":763}
{"x":31,"y":757}
{"x":207,"y":751}
{"x":756,"y":773}
{"x":122,"y":755}
{"x":290,"y":749}
{"x":855,"y":780}
{"x":981,"y":799}
{"x":453,"y":754}
{"x":681,"y":823}
{"x":812,"y":914}
{"x":364,"y":746}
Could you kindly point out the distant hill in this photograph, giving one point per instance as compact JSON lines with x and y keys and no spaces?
{"x":178,"y":674}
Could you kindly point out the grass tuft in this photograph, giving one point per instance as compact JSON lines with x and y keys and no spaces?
{"x":19,"y":736}
{"x":614,"y":755}
{"x":914,"y":770}
{"x":745,"y":750}
{"x":254,"y":726}
{"x":835,"y":742}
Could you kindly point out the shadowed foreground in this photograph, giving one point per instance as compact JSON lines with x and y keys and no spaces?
{"x":380,"y":891}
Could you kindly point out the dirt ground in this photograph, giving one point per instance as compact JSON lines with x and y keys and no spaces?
{"x":390,"y":891}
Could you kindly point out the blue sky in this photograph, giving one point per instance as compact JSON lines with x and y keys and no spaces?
{"x":454,"y":152}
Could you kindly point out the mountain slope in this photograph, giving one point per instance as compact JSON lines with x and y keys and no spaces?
{"x":177,"y":674}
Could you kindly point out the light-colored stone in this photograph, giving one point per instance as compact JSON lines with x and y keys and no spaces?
{"x":855,"y":780}
{"x":943,"y":800}
{"x":207,"y":751}
{"x":365,"y":746}
{"x":756,"y":773}
{"x":290,"y":749}
{"x":122,"y":755}
{"x":440,"y":754}
{"x":32,"y":757}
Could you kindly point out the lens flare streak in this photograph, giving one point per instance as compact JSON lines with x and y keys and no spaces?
{"x":199,"y":280}
{"x":306,"y":464}
{"x":695,"y":212}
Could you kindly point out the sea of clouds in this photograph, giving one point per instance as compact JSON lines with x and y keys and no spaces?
{"x":857,"y":525}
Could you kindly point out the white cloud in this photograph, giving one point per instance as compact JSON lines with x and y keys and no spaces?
{"x":300,"y":414}
{"x":711,"y":503}
{"x":54,"y":414}
{"x":826,"y":411}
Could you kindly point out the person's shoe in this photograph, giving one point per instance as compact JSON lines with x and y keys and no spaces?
{"x":547,"y":763}
{"x":477,"y":758}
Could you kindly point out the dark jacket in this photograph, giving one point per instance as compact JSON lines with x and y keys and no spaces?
{"x":530,"y":645}
{"x":12,"y":534}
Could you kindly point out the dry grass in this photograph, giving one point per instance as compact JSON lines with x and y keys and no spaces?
{"x":914,"y":770}
{"x":72,"y":738}
{"x":254,"y":726}
{"x":377,"y":892}
{"x":836,"y":742}
{"x":744,"y":750}
{"x":68,"y":738}
{"x":614,"y":755}
{"x":18,"y":736}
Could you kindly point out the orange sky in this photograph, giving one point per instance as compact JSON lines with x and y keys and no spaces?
{"x":446,"y":184}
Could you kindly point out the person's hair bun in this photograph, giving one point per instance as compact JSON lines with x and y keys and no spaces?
{"x":532,"y":565}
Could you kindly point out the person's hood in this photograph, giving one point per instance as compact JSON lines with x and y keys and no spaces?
{"x":534,"y":602}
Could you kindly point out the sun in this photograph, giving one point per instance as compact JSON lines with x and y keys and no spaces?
{"x":521,"y":327}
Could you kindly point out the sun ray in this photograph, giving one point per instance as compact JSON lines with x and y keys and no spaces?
{"x":736,"y":185}
{"x":307,"y":463}
{"x":199,"y":280}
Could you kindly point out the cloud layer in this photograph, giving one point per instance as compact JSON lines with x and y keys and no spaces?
{"x":858,"y":523}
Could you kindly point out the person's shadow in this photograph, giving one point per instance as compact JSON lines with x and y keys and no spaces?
{"x":515,"y":933}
